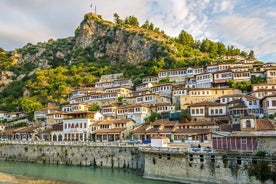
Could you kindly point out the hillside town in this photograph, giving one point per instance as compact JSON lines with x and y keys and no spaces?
{"x":193,"y":105}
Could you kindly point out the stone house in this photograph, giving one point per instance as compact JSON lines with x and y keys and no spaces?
{"x":196,"y":95}
{"x":221,"y":78}
{"x":122,"y":82}
{"x":149,"y":98}
{"x":204,"y":80}
{"x":245,"y":142}
{"x":162,"y":89}
{"x":122,"y":91}
{"x":150,"y":79}
{"x":41,"y":114}
{"x":112,"y":130}
{"x":54,"y":118}
{"x":229,"y":98}
{"x":241,"y":76}
{"x":77,"y":120}
{"x":178,"y":75}
{"x":163,"y":108}
{"x":54,"y":133}
{"x":270,"y":75}
{"x":237,"y":109}
{"x":137,"y":112}
{"x":143,"y":86}
{"x":268,"y":104}
{"x":175,"y":131}
{"x":253,"y":105}
{"x":109,"y":110}
{"x":207,"y":110}
{"x":102,"y":98}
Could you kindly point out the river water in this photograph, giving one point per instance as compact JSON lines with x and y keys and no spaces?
{"x":74,"y":174}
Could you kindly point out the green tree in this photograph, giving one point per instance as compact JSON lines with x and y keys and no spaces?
{"x":120,"y":99}
{"x":221,"y":49}
{"x":153,"y":116}
{"x":145,"y":25}
{"x":243,"y":54}
{"x":242,"y":85}
{"x":29,"y":104}
{"x":257,"y":80}
{"x":151,"y":26}
{"x":132,"y":20}
{"x":251,"y":55}
{"x":94,"y":107}
{"x":185,"y":39}
{"x":185,"y":117}
{"x":205,"y":45}
{"x":5,"y":61}
{"x":117,"y":19}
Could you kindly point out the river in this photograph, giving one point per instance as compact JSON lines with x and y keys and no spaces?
{"x":71,"y":174}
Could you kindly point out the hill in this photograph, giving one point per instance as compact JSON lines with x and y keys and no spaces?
{"x":35,"y":75}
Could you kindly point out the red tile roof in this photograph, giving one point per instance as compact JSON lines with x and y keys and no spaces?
{"x":113,"y":130}
{"x":264,"y":125}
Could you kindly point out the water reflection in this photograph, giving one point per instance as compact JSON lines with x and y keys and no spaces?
{"x":73,"y":174}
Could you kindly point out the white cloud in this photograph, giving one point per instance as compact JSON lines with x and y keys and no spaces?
{"x":245,"y":24}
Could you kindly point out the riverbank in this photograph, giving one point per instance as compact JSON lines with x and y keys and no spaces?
{"x":12,"y":179}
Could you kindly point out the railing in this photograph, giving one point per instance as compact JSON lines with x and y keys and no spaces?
{"x":73,"y":143}
{"x":200,"y":150}
{"x":163,"y":150}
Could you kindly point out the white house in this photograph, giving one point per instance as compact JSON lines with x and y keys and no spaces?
{"x":150,"y":79}
{"x":159,"y":141}
{"x":253,"y":105}
{"x":269,"y":104}
{"x":204,"y":80}
{"x":138,"y":112}
{"x":163,"y":89}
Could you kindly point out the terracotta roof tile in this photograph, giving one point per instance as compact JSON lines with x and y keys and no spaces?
{"x":206,"y":103}
{"x":264,"y":125}
{"x":192,"y":131}
{"x":113,"y":130}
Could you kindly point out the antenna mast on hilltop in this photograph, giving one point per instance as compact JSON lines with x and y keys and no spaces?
{"x":91,"y":6}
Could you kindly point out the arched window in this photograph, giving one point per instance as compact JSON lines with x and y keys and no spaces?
{"x":248,"y":123}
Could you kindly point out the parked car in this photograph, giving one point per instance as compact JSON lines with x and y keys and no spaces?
{"x":146,"y":141}
{"x":133,"y":141}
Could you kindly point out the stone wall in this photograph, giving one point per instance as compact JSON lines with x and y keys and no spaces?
{"x":84,"y":155}
{"x":198,"y":168}
{"x":162,"y":164}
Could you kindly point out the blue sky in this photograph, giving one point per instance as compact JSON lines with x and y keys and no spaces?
{"x":246,"y":24}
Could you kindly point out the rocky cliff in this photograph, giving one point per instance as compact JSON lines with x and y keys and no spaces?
{"x":117,"y":42}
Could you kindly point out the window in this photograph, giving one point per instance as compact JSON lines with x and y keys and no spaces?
{"x":193,"y":111}
{"x":201,"y":111}
{"x":248,"y":123}
{"x":220,"y":111}
{"x":191,"y":157}
{"x":160,"y":156}
{"x":201,"y":158}
{"x":212,"y":111}
{"x":274,"y":103}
